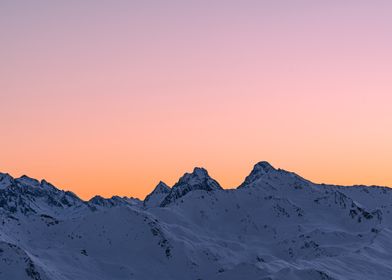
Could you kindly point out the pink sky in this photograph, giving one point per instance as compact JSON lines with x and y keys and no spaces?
{"x":109,"y":97}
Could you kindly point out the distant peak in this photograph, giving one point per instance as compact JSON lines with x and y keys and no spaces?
{"x":263,"y":166}
{"x":5,"y":180}
{"x":28,"y":180}
{"x":48,"y":186}
{"x":161,"y":183}
{"x":260,"y":170}
{"x":200,"y":172}
{"x":197,"y":173}
{"x":157,"y":195}
{"x":96,"y":199}
{"x":162,"y":188}
{"x":197,"y":180}
{"x":4,"y":174}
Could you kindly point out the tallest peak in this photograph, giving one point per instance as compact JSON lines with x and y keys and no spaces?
{"x":261,"y":169}
{"x":200,"y":171}
{"x":263,"y":166}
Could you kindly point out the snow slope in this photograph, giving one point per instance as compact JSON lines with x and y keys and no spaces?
{"x":275,"y":225}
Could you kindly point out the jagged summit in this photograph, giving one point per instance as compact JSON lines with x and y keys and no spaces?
{"x":99,"y":200}
{"x":260,"y":170}
{"x":26,"y":180}
{"x":161,"y":188}
{"x":263,"y":167}
{"x":5,"y":180}
{"x":199,"y":174}
{"x":156,"y":197}
{"x":281,"y":227}
{"x":199,"y":179}
{"x":46,"y":185}
{"x":4,"y":175}
{"x":264,"y":174}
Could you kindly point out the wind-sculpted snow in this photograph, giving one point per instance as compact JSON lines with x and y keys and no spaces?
{"x":275,"y":226}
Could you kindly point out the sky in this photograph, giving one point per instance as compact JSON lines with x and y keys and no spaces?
{"x":110,"y":97}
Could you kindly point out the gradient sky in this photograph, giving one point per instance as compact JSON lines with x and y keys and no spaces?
{"x":109,"y":97}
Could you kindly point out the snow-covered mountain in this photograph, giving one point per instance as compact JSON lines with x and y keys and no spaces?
{"x":275,"y":225}
{"x":197,"y":180}
{"x":156,"y":197}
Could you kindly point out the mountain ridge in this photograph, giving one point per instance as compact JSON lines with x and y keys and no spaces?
{"x":254,"y":173}
{"x":275,"y":225}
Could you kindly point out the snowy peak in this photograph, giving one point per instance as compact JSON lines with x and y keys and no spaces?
{"x":30,"y":196}
{"x":156,"y":197}
{"x":48,"y":186}
{"x":27,"y":181}
{"x":199,"y":179}
{"x":161,"y":188}
{"x":265,"y":175}
{"x":5,"y":180}
{"x":262,"y":167}
{"x":280,"y":226}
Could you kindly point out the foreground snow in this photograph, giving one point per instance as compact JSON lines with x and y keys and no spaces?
{"x":276,"y":225}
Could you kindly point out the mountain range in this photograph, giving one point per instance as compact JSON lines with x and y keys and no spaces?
{"x":275,"y":225}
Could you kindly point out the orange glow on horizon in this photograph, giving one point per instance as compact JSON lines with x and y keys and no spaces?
{"x":111,"y":98}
